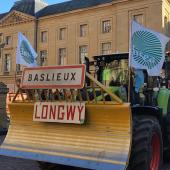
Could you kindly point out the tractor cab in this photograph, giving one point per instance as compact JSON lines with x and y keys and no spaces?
{"x":112,"y":70}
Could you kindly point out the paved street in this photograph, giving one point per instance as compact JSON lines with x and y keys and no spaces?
{"x":7,"y":163}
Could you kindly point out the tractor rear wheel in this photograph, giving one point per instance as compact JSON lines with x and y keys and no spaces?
{"x":147,"y":146}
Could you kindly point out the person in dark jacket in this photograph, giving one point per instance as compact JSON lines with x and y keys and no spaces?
{"x":86,"y":61}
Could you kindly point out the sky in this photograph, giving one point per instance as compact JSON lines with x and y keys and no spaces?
{"x":5,"y":5}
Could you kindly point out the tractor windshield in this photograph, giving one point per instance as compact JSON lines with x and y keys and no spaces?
{"x":112,"y":70}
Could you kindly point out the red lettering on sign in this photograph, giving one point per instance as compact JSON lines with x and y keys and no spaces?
{"x":52,"y":112}
{"x":60,"y":113}
{"x":71,"y":112}
{"x":44,"y":111}
{"x":80,"y":109}
{"x":36,"y":116}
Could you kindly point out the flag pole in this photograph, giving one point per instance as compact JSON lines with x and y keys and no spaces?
{"x":129,"y":65}
{"x":15,"y":76}
{"x":129,"y":85}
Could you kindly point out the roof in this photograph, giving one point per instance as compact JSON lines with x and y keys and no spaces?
{"x":3,"y":15}
{"x":69,"y":6}
{"x":40,"y":9}
{"x":28,"y":6}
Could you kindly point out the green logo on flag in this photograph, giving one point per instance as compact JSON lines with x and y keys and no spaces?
{"x":146,"y":49}
{"x":26,"y":52}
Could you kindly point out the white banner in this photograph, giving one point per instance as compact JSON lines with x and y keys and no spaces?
{"x":147,"y":49}
{"x":26,"y":55}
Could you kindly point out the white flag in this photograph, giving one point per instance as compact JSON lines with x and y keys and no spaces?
{"x":147,"y":49}
{"x":26,"y":54}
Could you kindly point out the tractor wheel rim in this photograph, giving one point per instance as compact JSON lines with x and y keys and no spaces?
{"x":155,"y":152}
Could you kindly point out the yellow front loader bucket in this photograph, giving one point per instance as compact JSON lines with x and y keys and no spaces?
{"x":103,"y":142}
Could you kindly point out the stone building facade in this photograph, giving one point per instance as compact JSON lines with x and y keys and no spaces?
{"x":63,"y":33}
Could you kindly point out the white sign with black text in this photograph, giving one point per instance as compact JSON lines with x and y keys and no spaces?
{"x":65,"y":77}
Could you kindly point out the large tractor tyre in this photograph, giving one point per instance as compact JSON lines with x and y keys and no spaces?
{"x":147,"y":145}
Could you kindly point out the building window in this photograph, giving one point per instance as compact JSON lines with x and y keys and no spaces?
{"x":44,"y":36}
{"x":106,"y":48}
{"x":1,"y":38}
{"x":83,"y":30}
{"x":18,"y":68}
{"x":43,"y":58}
{"x":139,"y":18}
{"x":83,"y":53}
{"x":62,"y":34}
{"x":7,"y":63}
{"x":8,"y":40}
{"x":106,"y":26}
{"x":62,"y":56}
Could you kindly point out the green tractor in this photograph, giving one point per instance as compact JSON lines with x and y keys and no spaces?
{"x":108,"y":122}
{"x":150,"y":109}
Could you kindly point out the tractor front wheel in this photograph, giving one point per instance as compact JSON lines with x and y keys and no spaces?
{"x":146,"y":153}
